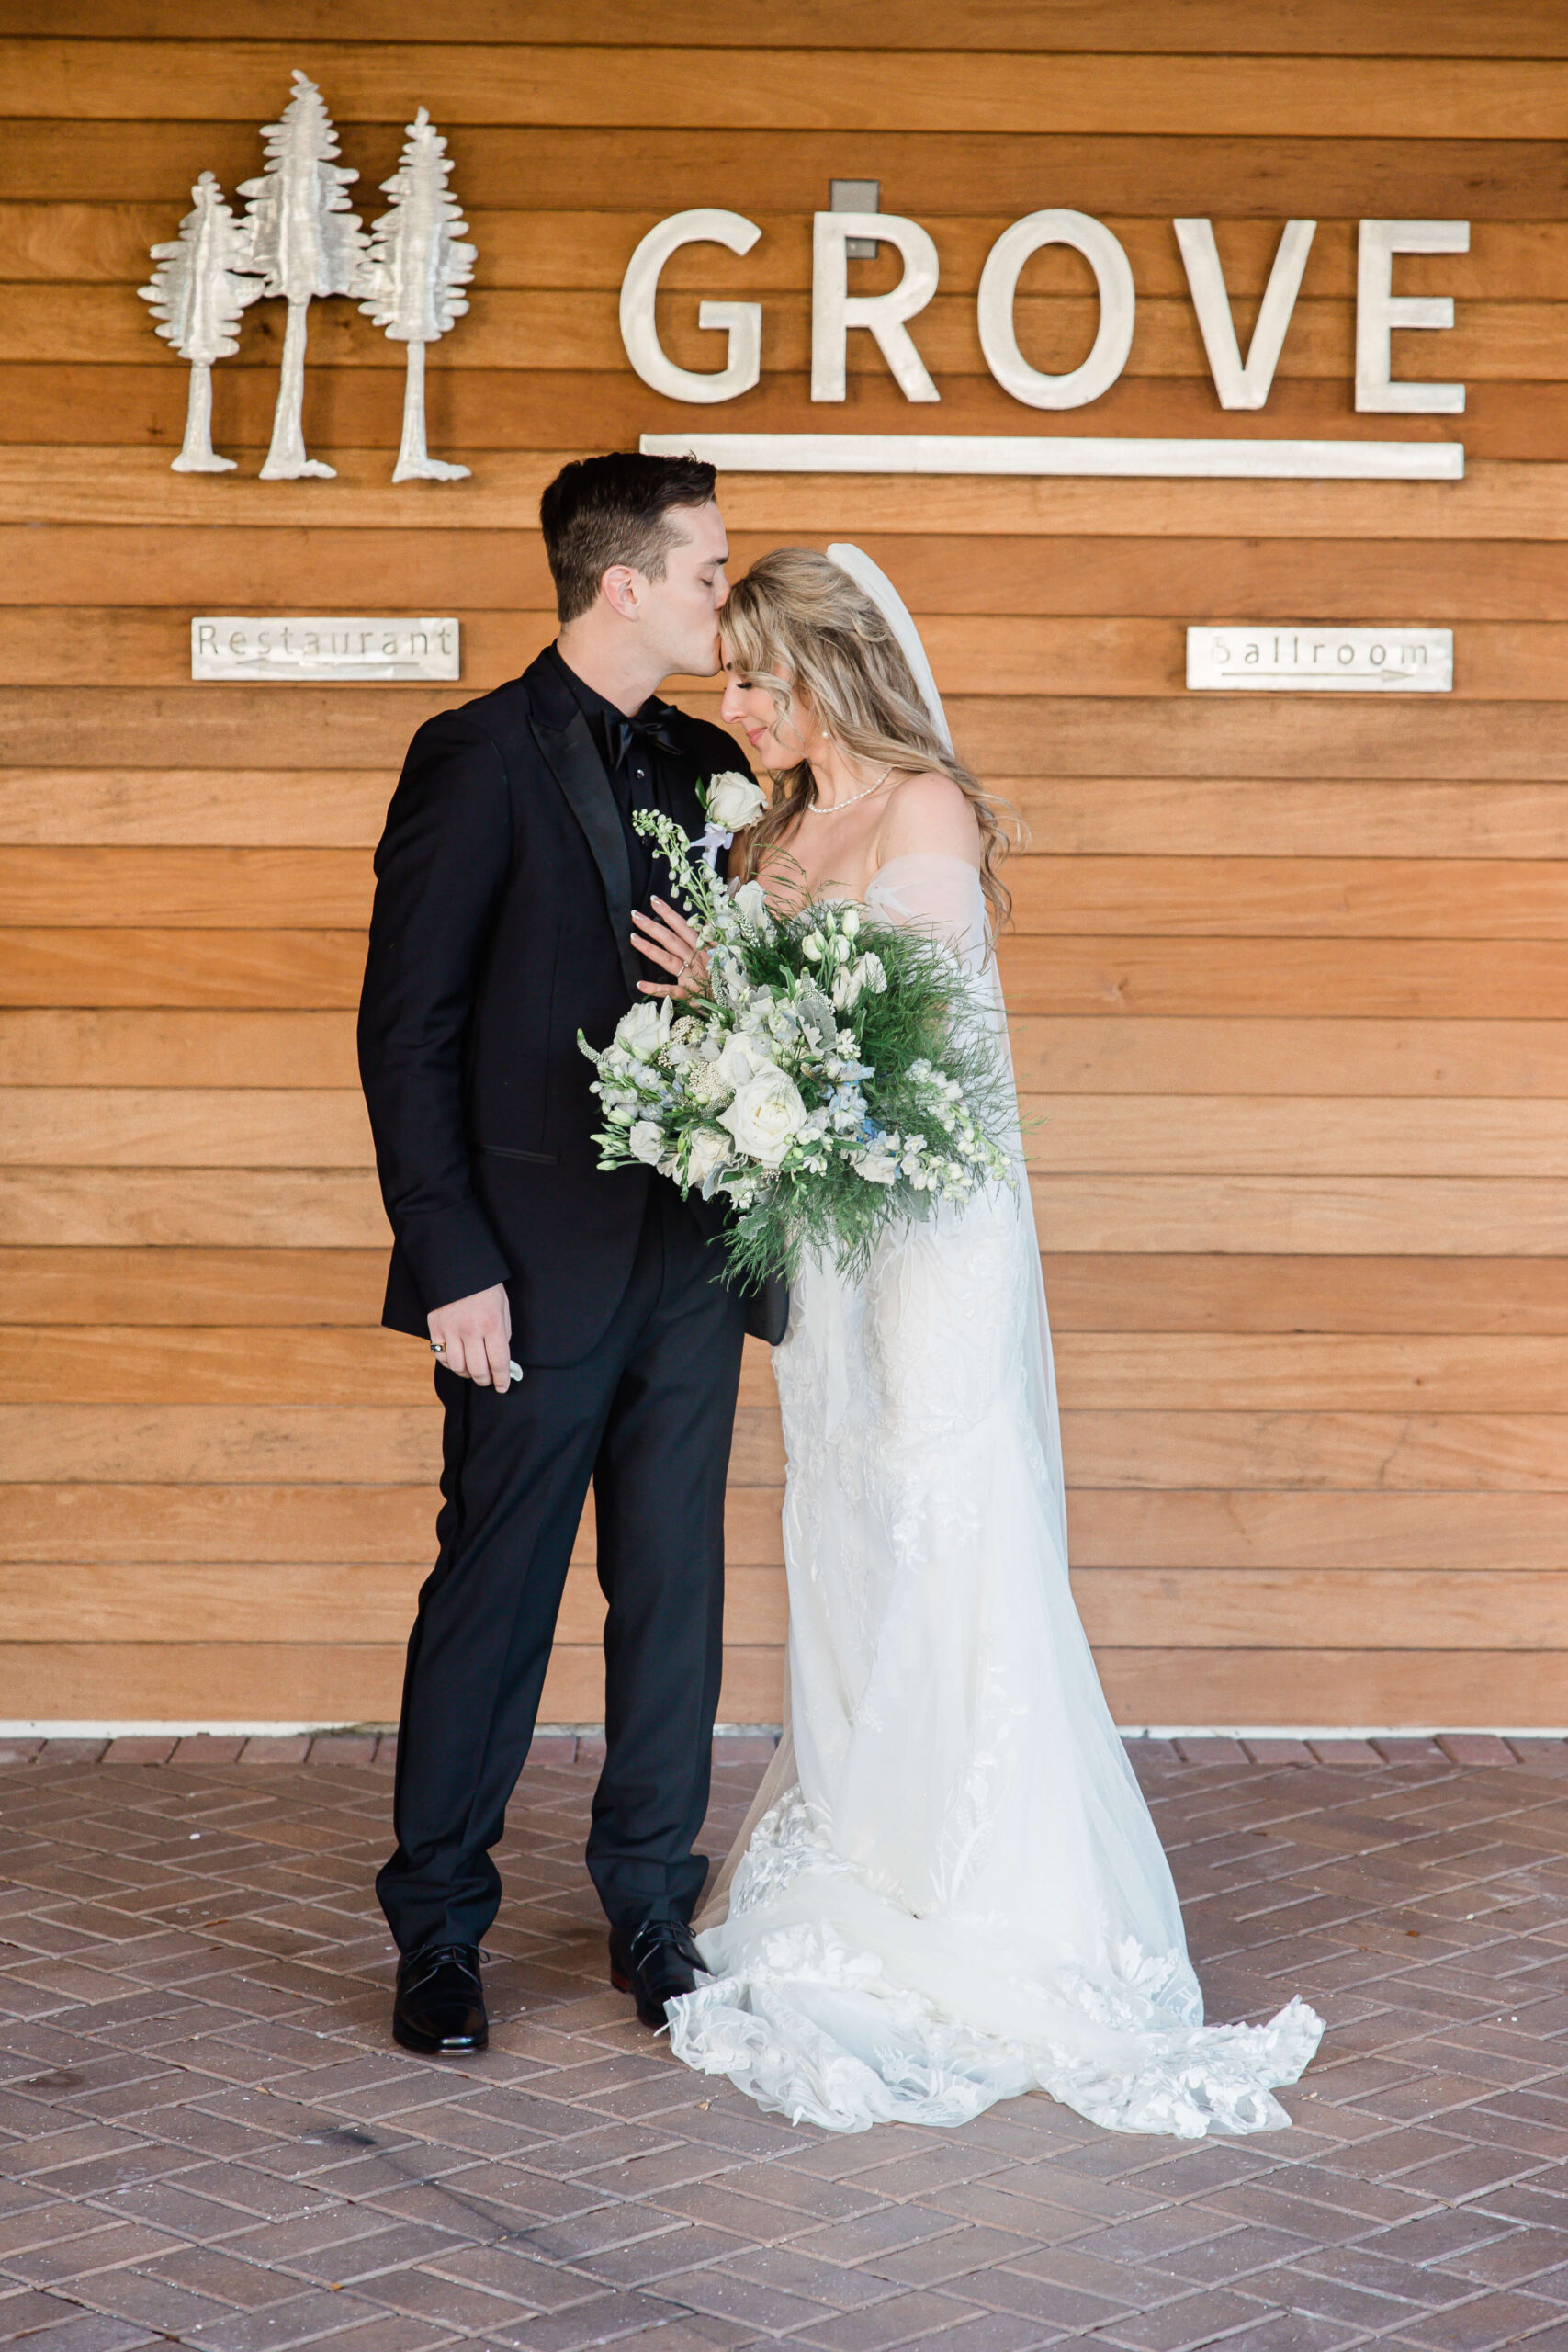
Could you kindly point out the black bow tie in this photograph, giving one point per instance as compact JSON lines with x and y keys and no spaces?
{"x":621,"y":734}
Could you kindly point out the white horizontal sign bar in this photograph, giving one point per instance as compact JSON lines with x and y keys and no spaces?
{"x":974,"y":453}
{"x":353,"y":646}
{"x":1304,"y":657}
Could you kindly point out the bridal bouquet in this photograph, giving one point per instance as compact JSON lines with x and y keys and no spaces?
{"x":833,"y":1076}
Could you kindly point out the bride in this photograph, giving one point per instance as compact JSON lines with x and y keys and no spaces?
{"x":949,"y":1890}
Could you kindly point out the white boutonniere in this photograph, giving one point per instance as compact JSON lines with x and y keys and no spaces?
{"x":731,"y":801}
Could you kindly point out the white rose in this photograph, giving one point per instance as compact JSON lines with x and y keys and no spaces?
{"x":734,"y":800}
{"x":740,"y":1061}
{"x":707,"y":1150}
{"x":647,"y":1141}
{"x":765,"y":1115}
{"x":643,"y":1030}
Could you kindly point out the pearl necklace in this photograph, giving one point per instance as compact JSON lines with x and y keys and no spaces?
{"x":815,"y":809}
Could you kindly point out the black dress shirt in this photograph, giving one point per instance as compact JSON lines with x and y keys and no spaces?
{"x":646,"y":766}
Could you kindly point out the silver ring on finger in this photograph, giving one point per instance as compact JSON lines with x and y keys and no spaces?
{"x":438,"y":1346}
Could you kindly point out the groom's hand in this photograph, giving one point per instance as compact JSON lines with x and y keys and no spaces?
{"x":473,"y":1338}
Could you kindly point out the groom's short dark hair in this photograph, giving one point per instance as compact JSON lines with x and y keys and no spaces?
{"x":616,"y":509}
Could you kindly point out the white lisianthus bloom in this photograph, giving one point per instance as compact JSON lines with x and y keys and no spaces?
{"x":851,"y":978}
{"x":734,"y":800}
{"x":766,"y":1114}
{"x":849,"y":922}
{"x":750,"y":904}
{"x":643,"y":1030}
{"x":707,"y":1150}
{"x":647,"y":1140}
{"x":876,"y":1167}
{"x":740,"y":1059}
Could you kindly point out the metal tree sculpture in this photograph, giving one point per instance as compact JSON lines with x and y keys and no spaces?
{"x":198,"y":290}
{"x":304,"y":242}
{"x":410,"y":277}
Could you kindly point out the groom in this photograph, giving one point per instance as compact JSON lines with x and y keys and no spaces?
{"x":505,"y":882}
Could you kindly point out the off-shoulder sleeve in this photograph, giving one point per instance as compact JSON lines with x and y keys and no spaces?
{"x":929,"y":890}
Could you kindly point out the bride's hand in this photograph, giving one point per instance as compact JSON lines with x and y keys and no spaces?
{"x":670,"y":942}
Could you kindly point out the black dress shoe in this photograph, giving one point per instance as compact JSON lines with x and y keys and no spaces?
{"x":440,"y":2005}
{"x":656,"y":1963}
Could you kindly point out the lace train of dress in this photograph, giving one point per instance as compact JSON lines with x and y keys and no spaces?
{"x":950,"y":1890}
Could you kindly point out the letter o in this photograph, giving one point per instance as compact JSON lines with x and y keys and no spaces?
{"x":640,"y":291}
{"x":999,"y":288}
{"x":1347,"y":652}
{"x":1377,"y":655}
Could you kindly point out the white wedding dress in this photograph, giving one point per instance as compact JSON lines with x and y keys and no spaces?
{"x":950,"y":1890}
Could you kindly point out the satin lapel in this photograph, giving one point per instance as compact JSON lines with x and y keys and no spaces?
{"x":575,"y":763}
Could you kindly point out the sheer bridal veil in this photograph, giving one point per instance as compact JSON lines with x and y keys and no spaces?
{"x":873,"y":581}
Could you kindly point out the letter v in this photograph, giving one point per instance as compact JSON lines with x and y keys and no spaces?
{"x":1240,"y":386}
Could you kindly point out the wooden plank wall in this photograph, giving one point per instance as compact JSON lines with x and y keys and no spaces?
{"x":1291,"y":976}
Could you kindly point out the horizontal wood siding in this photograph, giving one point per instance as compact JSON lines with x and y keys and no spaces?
{"x":1288,"y":975}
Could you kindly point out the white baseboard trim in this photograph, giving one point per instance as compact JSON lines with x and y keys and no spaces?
{"x":58,"y":1728}
{"x":51,"y":1727}
{"x":1341,"y":1731}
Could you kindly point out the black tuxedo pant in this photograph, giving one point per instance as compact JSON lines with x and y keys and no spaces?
{"x":648,"y":1418}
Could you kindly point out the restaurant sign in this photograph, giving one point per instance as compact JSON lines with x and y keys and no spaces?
{"x":352,"y":647}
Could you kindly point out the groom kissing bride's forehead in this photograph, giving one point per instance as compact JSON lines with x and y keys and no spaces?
{"x":950,"y":1890}
{"x":581,"y":1332}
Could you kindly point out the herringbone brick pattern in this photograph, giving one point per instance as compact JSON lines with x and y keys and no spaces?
{"x":209,"y":2139}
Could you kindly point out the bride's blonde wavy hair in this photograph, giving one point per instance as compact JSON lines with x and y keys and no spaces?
{"x":796,"y":623}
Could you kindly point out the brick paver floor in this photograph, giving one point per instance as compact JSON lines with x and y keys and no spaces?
{"x":206,"y":2137}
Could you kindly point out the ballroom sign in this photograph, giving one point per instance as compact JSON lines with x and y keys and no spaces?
{"x":1241,"y":382}
{"x":350,"y":647}
{"x":1304,"y":657}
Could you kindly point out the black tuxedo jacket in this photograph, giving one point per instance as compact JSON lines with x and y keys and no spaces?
{"x":502,"y":926}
